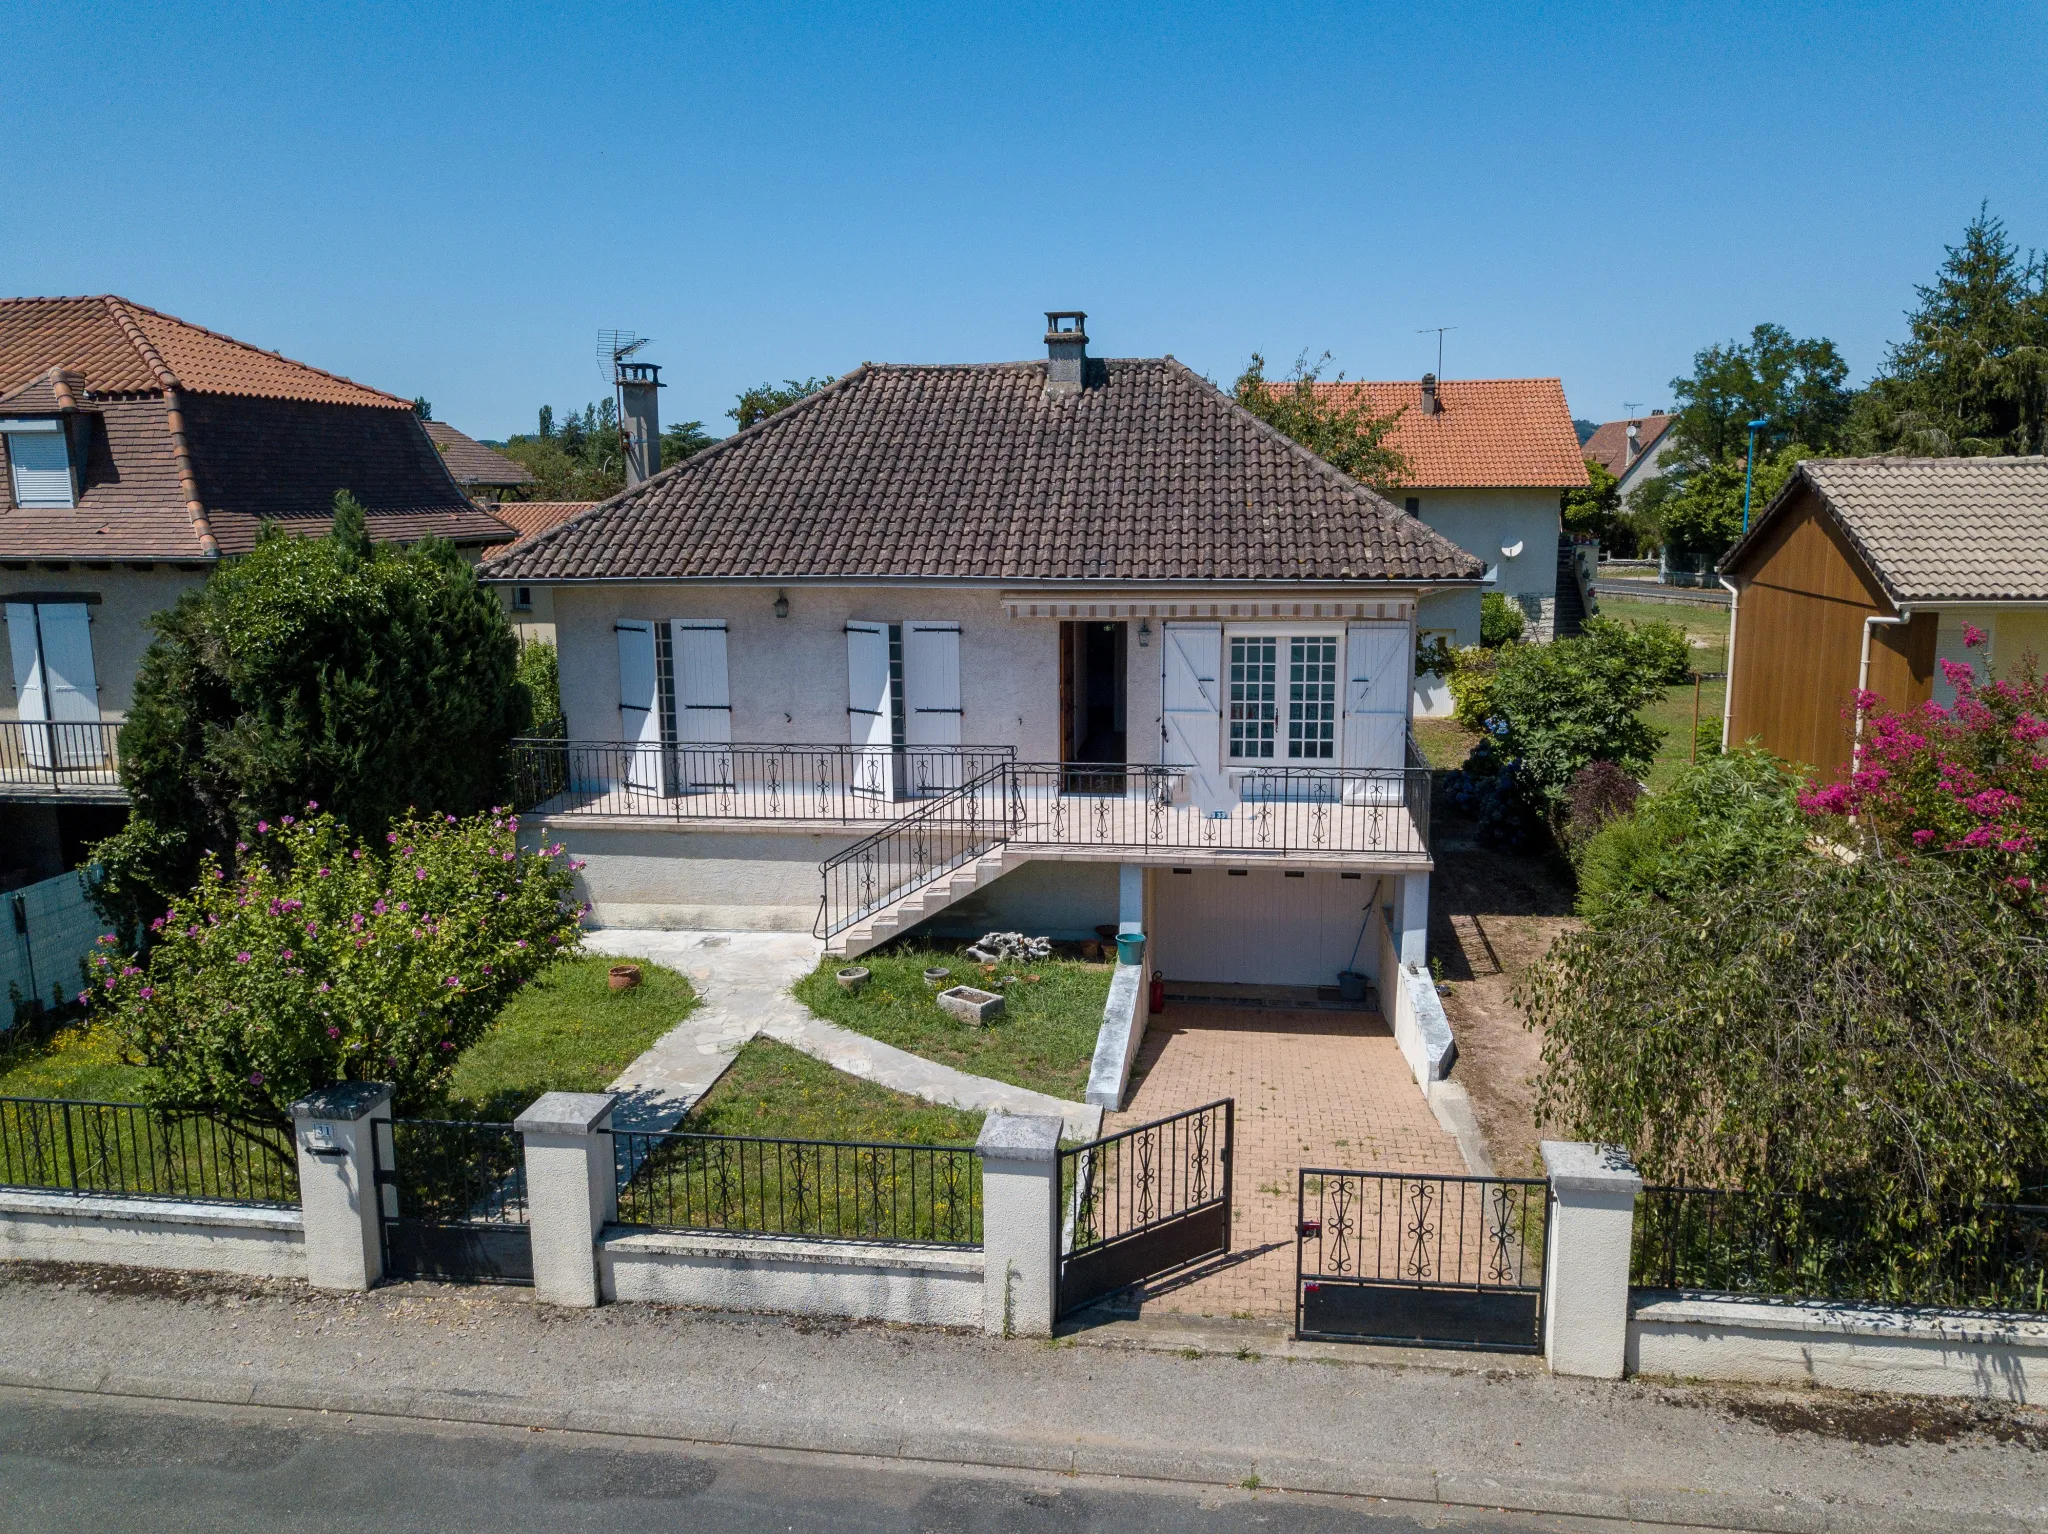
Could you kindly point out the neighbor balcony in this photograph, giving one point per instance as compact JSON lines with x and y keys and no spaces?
{"x":45,"y":762}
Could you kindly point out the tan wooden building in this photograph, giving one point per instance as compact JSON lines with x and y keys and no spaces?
{"x":1863,"y":573}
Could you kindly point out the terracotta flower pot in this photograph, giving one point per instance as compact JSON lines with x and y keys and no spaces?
{"x":623,"y":977}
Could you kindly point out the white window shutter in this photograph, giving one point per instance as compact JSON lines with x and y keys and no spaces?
{"x":30,"y":700}
{"x":703,"y":692}
{"x":1378,"y":671}
{"x":639,"y":719}
{"x":868,"y":704}
{"x":1192,"y":654}
{"x":42,"y":468}
{"x":74,"y":695}
{"x":931,"y":684}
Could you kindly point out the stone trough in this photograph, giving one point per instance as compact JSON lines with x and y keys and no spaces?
{"x":973,"y":1007}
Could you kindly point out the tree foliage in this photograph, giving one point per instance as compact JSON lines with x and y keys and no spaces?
{"x":373,"y":679}
{"x":325,"y":958}
{"x":1500,"y":621}
{"x":540,"y":674}
{"x":1797,"y":387}
{"x":764,"y":400}
{"x":1592,"y":508}
{"x":583,"y":456}
{"x":1341,"y":430}
{"x":1703,"y":512}
{"x":1972,"y":375}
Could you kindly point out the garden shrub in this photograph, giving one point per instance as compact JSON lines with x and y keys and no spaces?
{"x":1600,"y":792}
{"x":540,"y":674}
{"x":324,"y":958}
{"x":1721,"y":820}
{"x":1500,"y":621}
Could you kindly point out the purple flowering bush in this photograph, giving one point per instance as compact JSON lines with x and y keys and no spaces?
{"x":325,"y":959}
{"x":1967,"y":784}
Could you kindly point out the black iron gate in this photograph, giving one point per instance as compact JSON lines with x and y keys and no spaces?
{"x":454,"y":1201}
{"x":1143,"y":1202}
{"x":1445,"y":1262}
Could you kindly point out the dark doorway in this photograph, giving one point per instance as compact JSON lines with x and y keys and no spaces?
{"x":1092,"y":692}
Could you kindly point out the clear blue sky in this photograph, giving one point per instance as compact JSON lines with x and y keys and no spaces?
{"x":451,"y":203}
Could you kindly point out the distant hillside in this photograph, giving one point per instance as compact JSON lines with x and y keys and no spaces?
{"x":1586,"y":429}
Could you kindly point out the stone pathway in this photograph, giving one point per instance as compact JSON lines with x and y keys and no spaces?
{"x":1312,"y":1089}
{"x":743,"y":979}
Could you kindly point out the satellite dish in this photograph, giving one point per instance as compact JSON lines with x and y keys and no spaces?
{"x":1510,"y":550}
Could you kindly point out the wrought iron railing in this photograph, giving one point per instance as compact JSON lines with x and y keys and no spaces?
{"x":455,"y":1171}
{"x":1990,"y":1256}
{"x":128,"y":1149}
{"x":835,"y":1190}
{"x":1125,"y":1184}
{"x":932,"y":840}
{"x":62,"y":757}
{"x":841,"y":783}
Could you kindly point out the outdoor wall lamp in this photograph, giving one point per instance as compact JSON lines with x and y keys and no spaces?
{"x":782,"y":604}
{"x":1144,"y":633}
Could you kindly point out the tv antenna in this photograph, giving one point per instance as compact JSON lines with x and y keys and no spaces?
{"x":1438,"y":330}
{"x":1631,"y":405}
{"x":614,"y":347}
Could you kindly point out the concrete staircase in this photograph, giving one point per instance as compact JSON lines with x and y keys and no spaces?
{"x":926,"y":900}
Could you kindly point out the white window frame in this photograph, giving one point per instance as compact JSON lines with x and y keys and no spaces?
{"x":1284,"y":716}
{"x":20,"y":433}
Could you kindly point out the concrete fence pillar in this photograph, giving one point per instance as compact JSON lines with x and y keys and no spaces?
{"x":1414,"y":918}
{"x":338,"y":1192}
{"x":572,"y":1191}
{"x":1020,"y":1190}
{"x":1593,"y":1190}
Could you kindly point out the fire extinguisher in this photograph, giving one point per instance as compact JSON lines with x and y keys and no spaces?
{"x":1158,"y":990}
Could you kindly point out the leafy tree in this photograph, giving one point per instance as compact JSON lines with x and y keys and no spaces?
{"x":1340,"y":430}
{"x":328,"y":958}
{"x":373,"y":679}
{"x":1797,"y":387}
{"x":764,"y":400}
{"x":583,"y":458}
{"x":423,"y":407}
{"x":1500,"y":621}
{"x":1701,"y":511}
{"x":684,"y":440}
{"x":1593,"y":507}
{"x":540,"y":674}
{"x":1972,"y":375}
{"x":1722,"y":821}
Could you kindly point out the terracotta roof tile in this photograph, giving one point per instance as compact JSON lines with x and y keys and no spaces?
{"x":472,"y":463}
{"x":528,"y":518}
{"x":1608,"y":446}
{"x":976,"y":472}
{"x":1492,"y":432}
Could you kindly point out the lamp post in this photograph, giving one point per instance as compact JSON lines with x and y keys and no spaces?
{"x":1749,"y":473}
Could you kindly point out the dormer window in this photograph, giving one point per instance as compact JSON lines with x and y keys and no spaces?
{"x":39,"y":459}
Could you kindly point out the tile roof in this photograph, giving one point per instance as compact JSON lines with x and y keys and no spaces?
{"x":1934,"y":529}
{"x":975,"y":472}
{"x":527,"y":518}
{"x":1608,"y":446}
{"x":471,"y":462}
{"x":110,"y":341}
{"x":195,"y":440}
{"x":1494,"y":433}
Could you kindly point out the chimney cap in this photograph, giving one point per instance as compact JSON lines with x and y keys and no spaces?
{"x":1075,"y":328}
{"x":647,"y":374}
{"x":1430,"y":404}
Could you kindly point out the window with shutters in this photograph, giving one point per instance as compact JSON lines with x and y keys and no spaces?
{"x":39,"y":463}
{"x":1254,"y":695}
{"x":1312,"y":697}
{"x":1282,"y":697}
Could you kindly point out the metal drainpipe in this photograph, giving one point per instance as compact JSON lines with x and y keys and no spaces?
{"x":1728,"y":683}
{"x":1905,"y":615}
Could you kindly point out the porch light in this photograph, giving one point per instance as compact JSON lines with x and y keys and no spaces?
{"x":782,"y":604}
{"x":1144,"y":633}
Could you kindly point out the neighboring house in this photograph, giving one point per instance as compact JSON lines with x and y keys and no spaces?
{"x":1051,"y":645}
{"x":1633,"y":451}
{"x":532,"y":608}
{"x":1861,"y":573}
{"x":484,"y":474}
{"x":136,"y":452}
{"x":1489,"y":460}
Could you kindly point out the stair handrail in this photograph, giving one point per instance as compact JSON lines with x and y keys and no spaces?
{"x":937,"y":809}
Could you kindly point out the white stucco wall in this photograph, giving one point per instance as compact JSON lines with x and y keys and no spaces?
{"x":119,"y":621}
{"x":151,"y":1233}
{"x":920,"y":1286}
{"x":1483,"y":522}
{"x":660,"y":875}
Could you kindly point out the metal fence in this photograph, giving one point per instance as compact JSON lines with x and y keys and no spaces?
{"x":117,"y":1149}
{"x":934,"y":839}
{"x":1144,"y":1201}
{"x":842,"y":783}
{"x":837,"y":1190}
{"x":47,"y":930}
{"x":61,"y":757}
{"x":1810,"y":1246}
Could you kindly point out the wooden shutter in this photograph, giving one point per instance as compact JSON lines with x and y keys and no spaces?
{"x":74,"y":694}
{"x":1192,"y":654}
{"x":931,"y":696}
{"x":31,"y":701}
{"x":639,"y":719}
{"x":1378,"y":671}
{"x":868,"y":704}
{"x":42,"y":467}
{"x":703,"y":693}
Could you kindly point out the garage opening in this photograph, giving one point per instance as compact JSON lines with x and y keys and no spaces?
{"x":1263,"y":926}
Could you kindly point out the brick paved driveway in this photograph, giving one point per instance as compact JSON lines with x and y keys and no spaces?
{"x":1312,"y":1089}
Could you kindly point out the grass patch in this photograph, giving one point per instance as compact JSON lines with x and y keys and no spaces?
{"x":1044,"y":1040}
{"x":773,"y":1090}
{"x":83,"y":1063}
{"x":1445,"y":743}
{"x":1706,"y":628}
{"x":567,"y":1032}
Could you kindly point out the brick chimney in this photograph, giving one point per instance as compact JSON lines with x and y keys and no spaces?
{"x":1430,"y":404}
{"x":1066,"y":350}
{"x":639,"y":418}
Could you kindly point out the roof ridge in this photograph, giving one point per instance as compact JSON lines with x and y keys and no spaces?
{"x":112,"y":299}
{"x":174,"y":422}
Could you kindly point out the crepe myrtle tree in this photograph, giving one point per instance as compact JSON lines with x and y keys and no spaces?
{"x":323,"y":958}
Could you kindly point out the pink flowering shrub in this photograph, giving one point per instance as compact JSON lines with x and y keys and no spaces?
{"x":322,"y":960}
{"x":1967,"y":784}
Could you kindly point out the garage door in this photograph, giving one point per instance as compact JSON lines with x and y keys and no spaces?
{"x":1261,"y":927}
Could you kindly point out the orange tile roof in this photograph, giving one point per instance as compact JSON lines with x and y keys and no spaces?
{"x":125,"y":348}
{"x":531,"y":517}
{"x":1491,"y":432}
{"x":1608,"y":446}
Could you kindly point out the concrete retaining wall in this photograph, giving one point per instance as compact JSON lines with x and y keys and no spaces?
{"x":1990,"y":1356}
{"x":151,"y":1233}
{"x":925,"y":1286}
{"x":1410,"y":1004}
{"x":1124,"y":1016}
{"x":668,"y":877}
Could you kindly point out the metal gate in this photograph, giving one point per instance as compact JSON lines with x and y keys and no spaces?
{"x":1442,"y":1262}
{"x":454,"y":1201}
{"x":1143,"y":1202}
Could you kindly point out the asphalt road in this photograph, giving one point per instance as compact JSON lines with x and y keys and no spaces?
{"x":95,"y":1465}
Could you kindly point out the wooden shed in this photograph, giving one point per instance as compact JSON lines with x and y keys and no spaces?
{"x":1862,"y":573}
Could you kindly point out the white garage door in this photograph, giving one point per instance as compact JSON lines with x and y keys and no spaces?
{"x":1260,"y":927}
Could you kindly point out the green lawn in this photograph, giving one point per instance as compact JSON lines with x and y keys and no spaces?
{"x":567,"y":1032}
{"x":773,"y":1090}
{"x":1707,"y":629}
{"x":84,"y":1064}
{"x":1445,"y":742}
{"x":1044,"y":1040}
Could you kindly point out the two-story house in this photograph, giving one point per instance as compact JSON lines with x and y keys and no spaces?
{"x":137,"y":451}
{"x":1054,"y":645}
